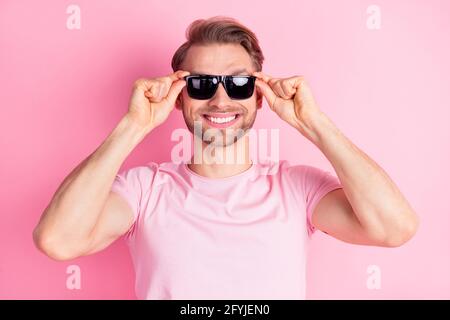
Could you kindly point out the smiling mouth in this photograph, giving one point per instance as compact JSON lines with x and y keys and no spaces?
{"x":222,"y":118}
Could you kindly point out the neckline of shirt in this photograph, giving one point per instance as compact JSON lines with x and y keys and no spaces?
{"x":195,"y":175}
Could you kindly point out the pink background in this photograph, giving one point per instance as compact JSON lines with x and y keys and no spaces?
{"x":62,"y":91}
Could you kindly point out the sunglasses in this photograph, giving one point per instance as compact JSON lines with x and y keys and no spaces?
{"x":203,"y":86}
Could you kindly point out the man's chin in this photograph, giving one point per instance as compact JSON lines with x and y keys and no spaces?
{"x":221,"y":140}
{"x":218,"y":137}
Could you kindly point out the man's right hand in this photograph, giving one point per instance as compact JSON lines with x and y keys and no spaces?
{"x":152,"y":100}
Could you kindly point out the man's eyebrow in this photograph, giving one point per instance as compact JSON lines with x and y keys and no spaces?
{"x":234,"y":73}
{"x":240,"y":71}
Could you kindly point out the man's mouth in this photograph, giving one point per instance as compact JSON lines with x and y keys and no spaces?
{"x":221,"y":120}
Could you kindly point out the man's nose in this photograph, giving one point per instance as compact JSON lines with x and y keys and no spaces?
{"x":220,"y":98}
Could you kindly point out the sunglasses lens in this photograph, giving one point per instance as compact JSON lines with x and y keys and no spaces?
{"x":201,"y":88}
{"x":204,"y":87}
{"x":240,"y":87}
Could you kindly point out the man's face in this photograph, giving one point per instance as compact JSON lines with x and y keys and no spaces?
{"x":219,"y":59}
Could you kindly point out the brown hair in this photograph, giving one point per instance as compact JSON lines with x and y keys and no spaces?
{"x":219,"y":29}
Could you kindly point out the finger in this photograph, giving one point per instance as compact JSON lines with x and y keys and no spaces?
{"x":296,"y":81}
{"x":155,"y":92}
{"x":163,"y":90}
{"x":175,"y":90}
{"x":279,"y":90}
{"x":168,"y":81}
{"x":273,"y":81}
{"x":262,"y":76}
{"x":267,"y":92}
{"x":151,"y":89}
{"x":179,"y":74}
{"x":288,"y":90}
{"x":143,"y":84}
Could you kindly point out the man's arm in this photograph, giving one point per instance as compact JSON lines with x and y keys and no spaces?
{"x":84,"y":216}
{"x":369,"y":209}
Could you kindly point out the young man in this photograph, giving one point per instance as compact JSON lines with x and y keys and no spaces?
{"x":222,"y":230}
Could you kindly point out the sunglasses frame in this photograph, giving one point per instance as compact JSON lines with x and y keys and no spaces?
{"x":221,"y":79}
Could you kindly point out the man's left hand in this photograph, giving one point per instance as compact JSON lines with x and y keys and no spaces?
{"x":290,"y":98}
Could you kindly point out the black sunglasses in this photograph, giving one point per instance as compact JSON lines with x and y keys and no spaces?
{"x":203,"y":86}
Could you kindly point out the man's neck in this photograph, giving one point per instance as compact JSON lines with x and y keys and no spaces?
{"x":217,"y":171}
{"x":221,"y":168}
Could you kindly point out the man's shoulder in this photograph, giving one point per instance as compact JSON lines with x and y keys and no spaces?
{"x":283,"y":167}
{"x":150,"y":174}
{"x":146,"y":168}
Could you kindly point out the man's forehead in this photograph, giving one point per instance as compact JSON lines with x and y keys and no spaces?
{"x":232,"y":71}
{"x":220,"y":59}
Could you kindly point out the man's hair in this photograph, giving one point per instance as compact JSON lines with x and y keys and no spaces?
{"x":219,"y":30}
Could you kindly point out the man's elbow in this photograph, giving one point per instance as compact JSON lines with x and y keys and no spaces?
{"x":402,"y":233}
{"x":51,"y":247}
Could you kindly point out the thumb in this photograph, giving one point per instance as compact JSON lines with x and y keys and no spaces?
{"x":175,"y":90}
{"x":267,"y":92}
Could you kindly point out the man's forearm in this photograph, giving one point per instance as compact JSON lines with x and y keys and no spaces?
{"x":377,"y":202}
{"x":76,"y":205}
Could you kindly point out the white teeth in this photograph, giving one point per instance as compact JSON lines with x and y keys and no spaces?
{"x":221,"y":120}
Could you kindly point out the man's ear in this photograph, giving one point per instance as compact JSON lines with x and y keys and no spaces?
{"x":178,"y":102}
{"x":259,"y":99}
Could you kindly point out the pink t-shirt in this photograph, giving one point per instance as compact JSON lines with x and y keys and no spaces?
{"x":241,"y":237}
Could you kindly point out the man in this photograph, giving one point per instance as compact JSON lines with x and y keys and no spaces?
{"x":220,"y":230}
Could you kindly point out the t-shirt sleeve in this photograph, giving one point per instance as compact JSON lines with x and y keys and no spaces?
{"x":134,"y":185}
{"x":313,"y":184}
